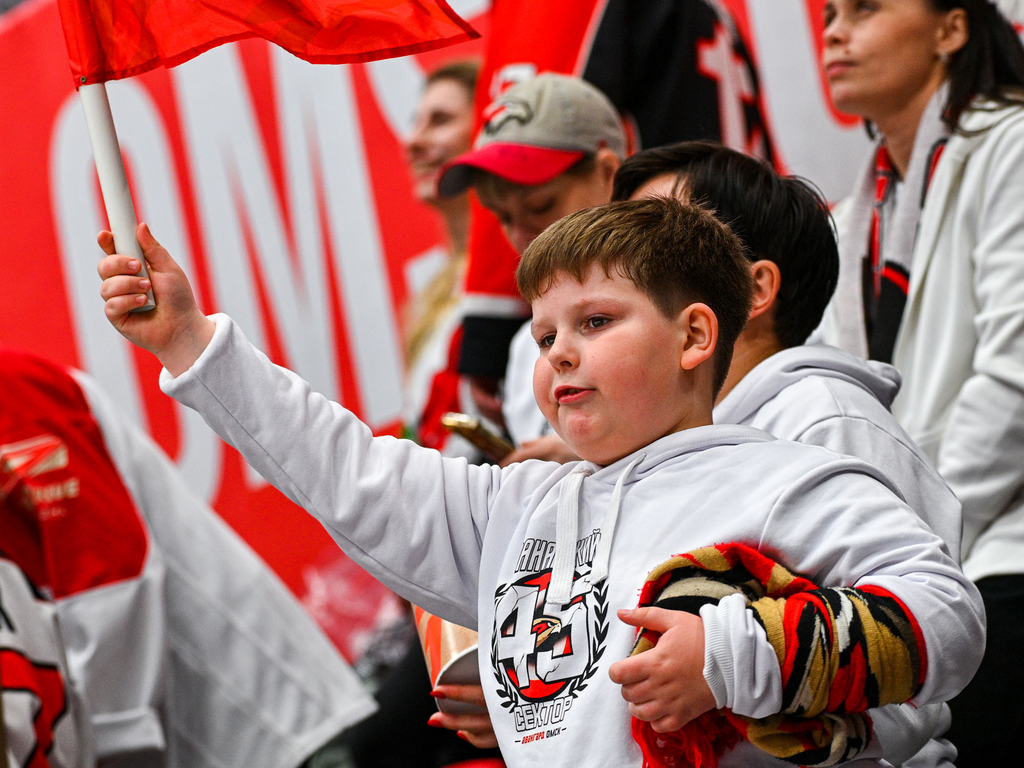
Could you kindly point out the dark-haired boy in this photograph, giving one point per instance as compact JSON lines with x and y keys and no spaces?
{"x":816,"y":394}
{"x":636,"y":307}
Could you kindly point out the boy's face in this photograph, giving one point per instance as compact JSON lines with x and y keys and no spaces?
{"x":609,"y":376}
{"x":526,"y":211}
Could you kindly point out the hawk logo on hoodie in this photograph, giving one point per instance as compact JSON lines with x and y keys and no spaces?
{"x":543,"y":655}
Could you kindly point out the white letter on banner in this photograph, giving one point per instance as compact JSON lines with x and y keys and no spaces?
{"x":398,"y":82}
{"x":320,"y":121}
{"x":235,"y":191}
{"x":810,"y":140}
{"x":397,"y":87}
{"x":79,"y":214}
{"x":717,"y":60}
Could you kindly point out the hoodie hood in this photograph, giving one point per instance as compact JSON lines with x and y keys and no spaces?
{"x":675,"y":446}
{"x":785,"y":368}
{"x":622,"y":472}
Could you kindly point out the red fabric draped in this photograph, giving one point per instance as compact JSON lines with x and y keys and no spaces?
{"x":111,"y":39}
{"x":59,"y":488}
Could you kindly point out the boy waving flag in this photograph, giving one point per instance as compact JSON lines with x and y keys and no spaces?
{"x":636,"y":308}
{"x":112,"y":39}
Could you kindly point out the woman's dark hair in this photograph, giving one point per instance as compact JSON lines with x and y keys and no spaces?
{"x":991,"y":63}
{"x":779,"y":218}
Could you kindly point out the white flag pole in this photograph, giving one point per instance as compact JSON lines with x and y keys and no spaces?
{"x":3,"y":731}
{"x":117,"y":198}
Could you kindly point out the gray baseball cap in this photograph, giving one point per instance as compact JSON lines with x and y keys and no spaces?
{"x":536,"y":130}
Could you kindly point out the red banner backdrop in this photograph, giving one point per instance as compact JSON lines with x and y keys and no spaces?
{"x":280,"y":186}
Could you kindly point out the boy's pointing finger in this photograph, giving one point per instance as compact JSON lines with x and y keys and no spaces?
{"x":656,"y":619}
{"x":106,"y":241}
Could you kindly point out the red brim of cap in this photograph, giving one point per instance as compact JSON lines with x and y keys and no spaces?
{"x":519,"y":163}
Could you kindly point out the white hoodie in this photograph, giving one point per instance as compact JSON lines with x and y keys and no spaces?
{"x":487,"y":547}
{"x":235,"y":651}
{"x":821,"y":395}
{"x":960,"y":346}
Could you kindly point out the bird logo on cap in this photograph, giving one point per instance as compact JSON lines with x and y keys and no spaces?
{"x":500,"y":112}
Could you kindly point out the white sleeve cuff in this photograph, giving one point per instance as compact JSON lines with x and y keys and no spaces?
{"x":904,"y":731}
{"x":136,"y":730}
{"x":220,"y":334}
{"x":740,"y":665}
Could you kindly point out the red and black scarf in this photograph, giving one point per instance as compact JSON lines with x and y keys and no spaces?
{"x":887,"y":275}
{"x":841,"y":652}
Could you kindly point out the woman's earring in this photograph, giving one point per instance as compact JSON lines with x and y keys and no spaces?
{"x":944,"y":58}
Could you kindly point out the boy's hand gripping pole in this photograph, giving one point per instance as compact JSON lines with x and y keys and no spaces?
{"x":117,"y":198}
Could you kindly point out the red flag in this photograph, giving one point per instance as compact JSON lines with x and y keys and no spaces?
{"x":111,"y":39}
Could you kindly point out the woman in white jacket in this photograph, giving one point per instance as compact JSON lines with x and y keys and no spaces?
{"x":932,"y":280}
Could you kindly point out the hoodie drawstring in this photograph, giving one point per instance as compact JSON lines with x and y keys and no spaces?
{"x":563,"y":566}
{"x":566,"y":529}
{"x":599,"y":570}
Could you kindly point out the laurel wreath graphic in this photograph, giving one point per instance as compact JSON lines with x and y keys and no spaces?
{"x":508,"y":694}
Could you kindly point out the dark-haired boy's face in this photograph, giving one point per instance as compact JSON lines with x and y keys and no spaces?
{"x":608,"y":377}
{"x":526,"y":211}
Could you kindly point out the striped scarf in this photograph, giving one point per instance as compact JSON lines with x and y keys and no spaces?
{"x":841,"y":652}
{"x":887,"y":268}
{"x":876,"y":244}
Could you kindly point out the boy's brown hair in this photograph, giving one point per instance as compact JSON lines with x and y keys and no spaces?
{"x":675,"y":253}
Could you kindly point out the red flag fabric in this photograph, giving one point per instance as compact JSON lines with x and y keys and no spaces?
{"x":111,"y":39}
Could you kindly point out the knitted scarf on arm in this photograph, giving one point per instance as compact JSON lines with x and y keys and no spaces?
{"x":841,"y":652}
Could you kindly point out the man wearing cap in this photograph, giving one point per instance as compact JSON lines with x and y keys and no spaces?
{"x":549,"y":146}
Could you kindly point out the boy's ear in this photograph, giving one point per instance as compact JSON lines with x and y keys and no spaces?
{"x":767,"y":282}
{"x":700,"y":326}
{"x":607,"y":164}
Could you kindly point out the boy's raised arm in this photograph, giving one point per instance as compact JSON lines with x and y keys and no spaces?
{"x":176,"y":331}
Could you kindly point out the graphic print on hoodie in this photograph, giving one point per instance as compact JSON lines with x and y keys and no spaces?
{"x":543,"y":654}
